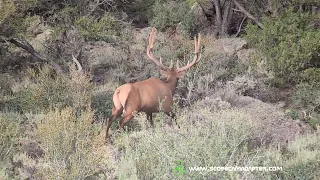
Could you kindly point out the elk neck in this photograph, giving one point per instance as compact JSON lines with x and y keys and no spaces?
{"x":172,"y":83}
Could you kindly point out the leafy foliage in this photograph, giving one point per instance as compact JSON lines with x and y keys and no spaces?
{"x":290,"y":44}
{"x":12,"y":19}
{"x":170,"y":13}
{"x":47,"y":92}
{"x":6,"y":9}
{"x":307,"y":96}
{"x":103,"y":28}
{"x":9,"y":138}
{"x":69,"y":145}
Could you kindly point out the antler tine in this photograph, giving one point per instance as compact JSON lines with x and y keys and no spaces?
{"x":150,"y":43}
{"x":171,"y":64}
{"x":197,"y":55}
{"x":195,"y":44}
{"x":150,"y":48}
{"x":199,"y":40}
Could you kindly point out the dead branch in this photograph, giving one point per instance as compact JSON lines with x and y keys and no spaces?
{"x":244,"y":11}
{"x":21,"y":43}
{"x":239,"y":29}
{"x":75,"y":60}
{"x":98,"y":3}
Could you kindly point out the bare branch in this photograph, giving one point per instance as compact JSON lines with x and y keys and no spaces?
{"x":75,"y":59}
{"x":239,"y":29}
{"x":244,"y":11}
{"x":98,"y":3}
{"x":28,"y":47}
{"x":237,"y":10}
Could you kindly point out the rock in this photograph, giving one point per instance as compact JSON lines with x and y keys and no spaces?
{"x":230,"y":46}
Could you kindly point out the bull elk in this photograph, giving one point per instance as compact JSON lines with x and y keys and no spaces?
{"x":144,"y":96}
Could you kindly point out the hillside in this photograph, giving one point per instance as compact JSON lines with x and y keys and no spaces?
{"x":252,"y":99}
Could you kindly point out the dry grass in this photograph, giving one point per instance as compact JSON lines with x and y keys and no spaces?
{"x":70,"y":145}
{"x":212,"y":133}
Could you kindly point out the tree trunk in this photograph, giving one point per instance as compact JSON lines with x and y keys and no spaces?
{"x":226,"y":18}
{"x":223,"y":12}
{"x":218,"y":13}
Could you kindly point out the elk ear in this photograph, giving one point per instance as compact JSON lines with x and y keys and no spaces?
{"x":181,"y":74}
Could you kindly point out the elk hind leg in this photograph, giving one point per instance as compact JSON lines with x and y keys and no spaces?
{"x":124,"y":120}
{"x":115,"y":114}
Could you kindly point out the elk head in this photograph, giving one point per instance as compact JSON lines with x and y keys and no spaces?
{"x":172,"y":72}
{"x":144,"y":96}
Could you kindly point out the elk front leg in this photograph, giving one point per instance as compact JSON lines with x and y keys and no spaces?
{"x":173,"y":117}
{"x":149,"y":117}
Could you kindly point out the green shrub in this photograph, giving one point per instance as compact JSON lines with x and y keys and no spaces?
{"x":191,"y":2}
{"x":5,"y":86}
{"x":9,"y":138}
{"x":293,"y":114}
{"x":44,"y":91}
{"x":203,"y":79}
{"x":102,"y":104}
{"x":93,"y":28}
{"x":311,"y":75}
{"x":10,"y":103}
{"x":170,"y":13}
{"x":79,"y":88}
{"x":299,"y":160}
{"x":6,"y":9}
{"x":13,"y":17}
{"x":314,"y":120}
{"x":70,"y":145}
{"x":290,"y":44}
{"x":307,"y":96}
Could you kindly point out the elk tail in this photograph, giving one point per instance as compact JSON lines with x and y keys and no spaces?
{"x":119,"y":101}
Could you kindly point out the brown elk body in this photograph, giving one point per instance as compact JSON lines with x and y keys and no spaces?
{"x":146,"y":96}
